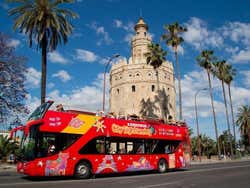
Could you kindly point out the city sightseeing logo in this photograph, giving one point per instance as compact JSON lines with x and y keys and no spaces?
{"x":133,"y":130}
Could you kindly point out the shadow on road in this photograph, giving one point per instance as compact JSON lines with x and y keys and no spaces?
{"x":58,"y":178}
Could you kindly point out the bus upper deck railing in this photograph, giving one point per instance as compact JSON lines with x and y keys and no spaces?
{"x":131,"y":117}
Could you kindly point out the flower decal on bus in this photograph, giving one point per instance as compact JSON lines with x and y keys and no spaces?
{"x":141,"y":164}
{"x":99,"y":126}
{"x":107,"y":163}
{"x":57,"y":167}
{"x":76,"y":123}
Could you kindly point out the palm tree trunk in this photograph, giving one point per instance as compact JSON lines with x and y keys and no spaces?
{"x":44,"y":69}
{"x":179,"y":84}
{"x":228,"y":124}
{"x":232,"y":113}
{"x":212,"y":103}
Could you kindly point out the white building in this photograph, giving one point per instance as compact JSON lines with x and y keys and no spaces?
{"x":133,"y":84}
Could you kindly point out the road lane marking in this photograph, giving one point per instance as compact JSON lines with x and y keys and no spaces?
{"x":120,"y":178}
{"x":158,"y":185}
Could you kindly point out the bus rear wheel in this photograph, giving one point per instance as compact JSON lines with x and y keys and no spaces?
{"x":82,"y":170}
{"x":162,"y":166}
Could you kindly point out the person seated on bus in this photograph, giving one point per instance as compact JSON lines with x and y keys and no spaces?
{"x":122,"y":117}
{"x":100,"y":113}
{"x":111,"y":151}
{"x":52,"y":147}
{"x":59,"y":108}
{"x":122,"y":151}
{"x":133,"y":117}
{"x":111,"y":115}
{"x":170,"y":119}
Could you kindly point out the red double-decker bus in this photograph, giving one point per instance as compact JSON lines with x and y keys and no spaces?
{"x":80,"y":144}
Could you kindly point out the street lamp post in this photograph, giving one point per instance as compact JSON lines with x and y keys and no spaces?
{"x":197,"y":123}
{"x":104,"y":78}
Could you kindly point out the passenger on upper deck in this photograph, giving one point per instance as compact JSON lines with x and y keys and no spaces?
{"x":111,"y":114}
{"x":59,"y":108}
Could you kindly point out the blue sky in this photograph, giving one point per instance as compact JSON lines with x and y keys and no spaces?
{"x":105,"y":28}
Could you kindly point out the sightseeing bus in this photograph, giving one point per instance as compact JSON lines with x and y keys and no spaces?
{"x":81,"y":144}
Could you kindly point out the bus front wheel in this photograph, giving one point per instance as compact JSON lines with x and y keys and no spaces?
{"x":82,"y":170}
{"x":162,"y":166}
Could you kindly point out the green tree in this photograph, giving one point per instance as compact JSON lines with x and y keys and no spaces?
{"x":231,"y":72}
{"x":155,"y":57}
{"x":194,"y":145}
{"x":46,"y":23}
{"x":220,"y":71}
{"x":173,"y":39}
{"x":205,"y":60}
{"x":243,"y":121}
{"x":12,"y":77}
{"x":7,"y":146}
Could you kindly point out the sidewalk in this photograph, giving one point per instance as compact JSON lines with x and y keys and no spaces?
{"x":213,"y":161}
{"x":7,"y":167}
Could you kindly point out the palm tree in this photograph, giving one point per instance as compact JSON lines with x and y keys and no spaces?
{"x":205,"y":60}
{"x":155,"y":57}
{"x":243,"y":121}
{"x":223,"y":140}
{"x":228,"y":80}
{"x":207,"y":145}
{"x":173,"y":39}
{"x":220,"y":71}
{"x":44,"y":22}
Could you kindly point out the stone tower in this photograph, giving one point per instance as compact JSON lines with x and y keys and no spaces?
{"x":133,"y":84}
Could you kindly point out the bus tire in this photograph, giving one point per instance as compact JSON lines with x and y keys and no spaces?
{"x":162,"y":166}
{"x":82,"y":170}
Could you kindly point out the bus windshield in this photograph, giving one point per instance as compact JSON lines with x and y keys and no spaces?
{"x":28,"y":144}
{"x":42,"y":144}
{"x":40,"y":111}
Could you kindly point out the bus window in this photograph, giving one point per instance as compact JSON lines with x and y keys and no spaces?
{"x":95,"y":146}
{"x":113,"y":148}
{"x":149,"y":146}
{"x":122,"y":148}
{"x":168,"y":148}
{"x":139,"y":147}
{"x":100,"y":147}
{"x":52,"y":143}
{"x":165,"y":146}
{"x":129,"y":147}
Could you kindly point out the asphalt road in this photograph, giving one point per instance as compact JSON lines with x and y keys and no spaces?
{"x":230,"y":174}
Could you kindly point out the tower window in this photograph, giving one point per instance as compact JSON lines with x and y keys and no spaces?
{"x":145,"y":34}
{"x":137,"y":33}
{"x":118,"y":91}
{"x":133,"y":88}
{"x":153,"y":88}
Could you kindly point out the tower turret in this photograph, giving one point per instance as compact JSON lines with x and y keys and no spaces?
{"x":139,"y":43}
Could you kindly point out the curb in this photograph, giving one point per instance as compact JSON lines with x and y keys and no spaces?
{"x":221,"y":161}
